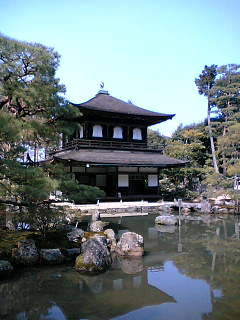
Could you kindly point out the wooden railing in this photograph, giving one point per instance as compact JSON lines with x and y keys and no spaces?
{"x":76,"y":144}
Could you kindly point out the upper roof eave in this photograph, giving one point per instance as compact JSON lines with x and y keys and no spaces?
{"x":103,"y":102}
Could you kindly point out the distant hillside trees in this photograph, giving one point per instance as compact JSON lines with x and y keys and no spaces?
{"x":212,"y":148}
{"x":189,"y":143}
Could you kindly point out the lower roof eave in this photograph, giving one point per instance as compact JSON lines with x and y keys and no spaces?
{"x":119,"y":158}
{"x":133,"y":165}
{"x":143,"y":165}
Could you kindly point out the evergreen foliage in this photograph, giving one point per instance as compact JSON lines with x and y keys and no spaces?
{"x":33,"y":113}
{"x":205,"y":83}
{"x":226,"y":99}
{"x":212,"y":149}
{"x":191,"y":144}
{"x":155,"y":139}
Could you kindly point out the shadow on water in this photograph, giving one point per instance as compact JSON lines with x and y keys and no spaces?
{"x":188,"y":272}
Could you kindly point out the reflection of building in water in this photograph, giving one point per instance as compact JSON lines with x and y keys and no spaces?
{"x":117,"y":284}
{"x":137,"y":281}
{"x":112,"y":283}
{"x":180,"y":247}
{"x":152,"y":233}
{"x":77,"y":296}
{"x":122,"y":292}
{"x":102,"y":296}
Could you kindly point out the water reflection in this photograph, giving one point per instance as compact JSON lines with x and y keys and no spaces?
{"x":74,"y":296}
{"x":54,"y":312}
{"x":189,"y":273}
{"x":168,"y":229}
{"x":193,"y":296}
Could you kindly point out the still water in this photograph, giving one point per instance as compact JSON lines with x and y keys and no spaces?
{"x":190,"y":272}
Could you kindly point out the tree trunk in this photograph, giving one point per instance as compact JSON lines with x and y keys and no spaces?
{"x":224,"y":134}
{"x":214,"y":159}
{"x":224,"y":164}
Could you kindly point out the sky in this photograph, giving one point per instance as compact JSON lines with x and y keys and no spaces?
{"x":146,"y":51}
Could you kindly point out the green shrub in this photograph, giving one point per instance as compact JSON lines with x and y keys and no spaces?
{"x":41,"y":218}
{"x":88,"y":194}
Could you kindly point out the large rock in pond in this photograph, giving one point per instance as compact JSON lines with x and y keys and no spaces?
{"x":110,"y":234}
{"x":52,"y":256}
{"x":166,"y":220}
{"x":95,"y":255}
{"x":130,"y":244}
{"x":75,"y":235}
{"x":26,"y":253}
{"x":5,"y":268}
{"x":97,"y":226}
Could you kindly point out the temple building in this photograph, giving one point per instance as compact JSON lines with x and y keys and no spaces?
{"x":110,"y":149}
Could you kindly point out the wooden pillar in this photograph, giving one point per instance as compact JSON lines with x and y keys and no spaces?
{"x":87,"y":129}
{"x":116,"y":183}
{"x":128,"y":133}
{"x":84,"y":130}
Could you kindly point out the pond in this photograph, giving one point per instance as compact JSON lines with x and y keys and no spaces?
{"x":190,"y":272}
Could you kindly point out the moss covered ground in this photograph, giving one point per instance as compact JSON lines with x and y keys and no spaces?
{"x":54,"y":239}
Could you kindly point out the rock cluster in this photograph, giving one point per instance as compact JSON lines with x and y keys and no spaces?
{"x":26,"y":253}
{"x":95,"y":253}
{"x":130,"y":244}
{"x":75,"y":234}
{"x":166,"y":220}
{"x":52,"y":256}
{"x":97,"y":226}
{"x":95,"y":256}
{"x":221,"y":204}
{"x":111,"y":239}
{"x":99,"y":246}
{"x":97,"y":250}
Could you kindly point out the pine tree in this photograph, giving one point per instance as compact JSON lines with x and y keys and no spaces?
{"x":33,"y":112}
{"x":205,"y":83}
{"x":226,"y":98}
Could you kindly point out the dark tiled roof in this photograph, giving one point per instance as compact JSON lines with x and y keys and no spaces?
{"x":104,"y":102}
{"x":119,"y":158}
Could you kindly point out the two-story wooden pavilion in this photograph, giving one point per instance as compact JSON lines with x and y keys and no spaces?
{"x":110,"y":149}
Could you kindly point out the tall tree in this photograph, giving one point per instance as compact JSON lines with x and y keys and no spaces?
{"x":205,"y":83}
{"x":226,"y":98}
{"x":33,"y":112}
{"x":28,"y":82}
